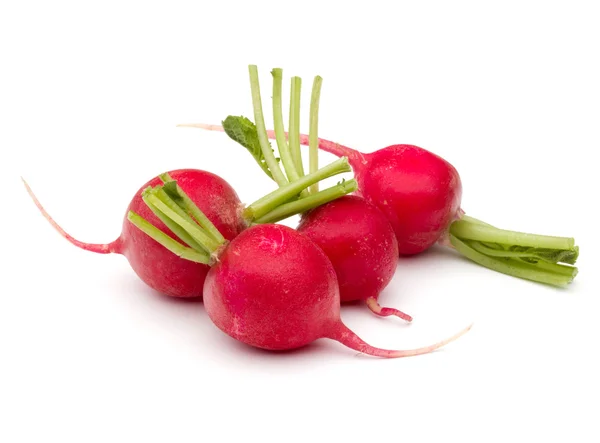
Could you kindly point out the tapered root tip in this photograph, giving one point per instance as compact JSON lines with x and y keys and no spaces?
{"x":376,"y":308}
{"x":348,"y":338}
{"x":38,"y":204}
{"x":430,"y":348}
{"x":106,"y":248}
{"x":439,"y":344}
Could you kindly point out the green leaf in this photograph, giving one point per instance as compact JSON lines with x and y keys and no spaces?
{"x":242,"y":130}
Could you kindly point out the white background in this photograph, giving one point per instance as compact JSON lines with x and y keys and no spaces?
{"x":90,"y":95}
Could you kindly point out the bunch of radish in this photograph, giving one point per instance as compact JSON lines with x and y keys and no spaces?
{"x":186,"y":233}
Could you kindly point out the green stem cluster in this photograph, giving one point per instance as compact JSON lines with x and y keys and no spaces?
{"x":541,"y":258}
{"x":181,"y":215}
{"x":297,"y":190}
{"x":287,"y":192}
{"x":302,"y":205}
{"x":294,"y":185}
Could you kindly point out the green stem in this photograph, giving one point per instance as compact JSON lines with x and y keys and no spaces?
{"x":172,"y":245}
{"x":187,"y":205}
{"x":165,"y":201}
{"x":294,"y":127}
{"x":474,"y":220}
{"x":282,"y":144}
{"x":261,"y":129}
{"x":313,"y":130}
{"x":570,"y":271}
{"x":474,"y":231}
{"x":165,"y":177}
{"x":307,"y":203}
{"x":511,"y":266}
{"x":285,"y":193}
{"x":174,"y":227}
{"x":197,"y":233}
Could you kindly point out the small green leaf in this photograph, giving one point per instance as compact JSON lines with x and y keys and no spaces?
{"x":242,"y":130}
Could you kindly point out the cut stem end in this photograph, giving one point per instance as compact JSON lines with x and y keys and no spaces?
{"x":540,"y":258}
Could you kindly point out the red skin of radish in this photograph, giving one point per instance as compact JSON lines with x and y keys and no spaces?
{"x":418,"y":191}
{"x":159,"y":268}
{"x":273,"y":288}
{"x":360,"y":242}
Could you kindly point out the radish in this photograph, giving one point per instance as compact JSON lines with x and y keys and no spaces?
{"x":361,"y":245}
{"x":271,"y":287}
{"x":157,"y":267}
{"x":172,"y":275}
{"x":420,"y":194}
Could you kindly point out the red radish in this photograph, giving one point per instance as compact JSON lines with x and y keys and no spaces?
{"x":361,"y":245}
{"x":420,"y":194}
{"x":273,"y":288}
{"x":270,"y":287}
{"x":156,"y":266}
